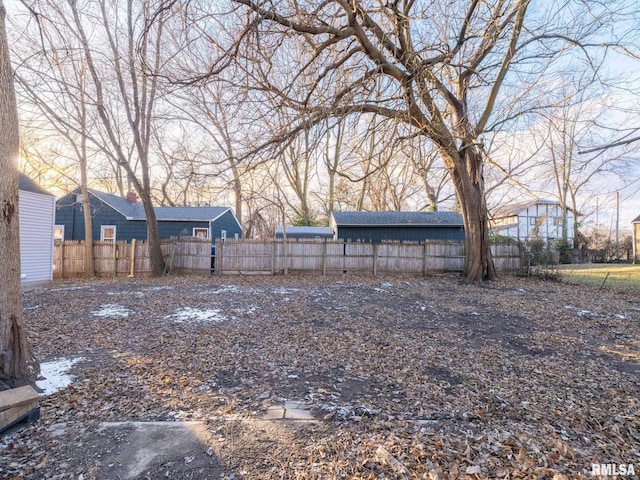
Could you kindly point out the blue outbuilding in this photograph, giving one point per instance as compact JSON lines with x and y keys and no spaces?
{"x":123,"y":219}
{"x":305,"y":233}
{"x":378,"y":227}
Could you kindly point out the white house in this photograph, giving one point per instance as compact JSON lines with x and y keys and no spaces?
{"x":533,"y":220}
{"x":36,"y":211}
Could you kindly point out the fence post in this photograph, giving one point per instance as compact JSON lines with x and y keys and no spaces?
{"x":133,"y":258}
{"x":115,"y":258}
{"x":375,"y":259}
{"x":219,"y":256}
{"x":274,"y":245}
{"x":424,"y":258}
{"x":324,"y":257}
{"x":285,"y":253}
{"x":62,"y":260}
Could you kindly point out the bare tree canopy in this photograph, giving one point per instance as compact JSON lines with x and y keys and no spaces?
{"x":289,"y":109}
{"x":450,"y":70}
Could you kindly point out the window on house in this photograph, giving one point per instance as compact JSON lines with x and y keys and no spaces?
{"x":201,"y":232}
{"x":533,"y":220}
{"x":108,"y":233}
{"x":58,"y":233}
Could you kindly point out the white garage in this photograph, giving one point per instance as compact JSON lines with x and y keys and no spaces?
{"x":36,"y":211}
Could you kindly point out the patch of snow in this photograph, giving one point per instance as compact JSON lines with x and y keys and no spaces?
{"x":55,"y":374}
{"x":226,"y":289}
{"x":617,"y":316}
{"x":112,"y":310}
{"x":76,"y":287}
{"x":383,"y":286}
{"x":164,"y":287}
{"x":349,"y":412}
{"x":189,"y":314}
{"x":581,"y":313}
{"x":285,"y":291}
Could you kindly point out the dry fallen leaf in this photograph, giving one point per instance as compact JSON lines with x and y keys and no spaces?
{"x":409,"y":377}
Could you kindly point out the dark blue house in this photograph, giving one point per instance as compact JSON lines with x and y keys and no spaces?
{"x":379,"y":227}
{"x":120,"y":219}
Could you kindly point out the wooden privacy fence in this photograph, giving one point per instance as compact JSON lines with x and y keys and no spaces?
{"x":329,"y":257}
{"x":273,"y":257}
{"x":123,"y":259}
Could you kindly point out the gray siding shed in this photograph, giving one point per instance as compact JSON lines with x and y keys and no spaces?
{"x":379,"y":227}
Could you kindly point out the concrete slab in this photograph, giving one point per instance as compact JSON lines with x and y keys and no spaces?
{"x":298,"y":414}
{"x":291,"y":410}
{"x":151,"y":448}
{"x":274,"y":413}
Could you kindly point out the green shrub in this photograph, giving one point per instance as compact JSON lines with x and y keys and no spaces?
{"x":564,"y":251}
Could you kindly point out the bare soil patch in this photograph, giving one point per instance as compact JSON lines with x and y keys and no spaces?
{"x":422,"y":378}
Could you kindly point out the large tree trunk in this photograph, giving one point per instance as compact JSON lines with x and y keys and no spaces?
{"x":466,"y":172}
{"x":17,"y":365}
{"x":89,"y":265}
{"x":153,"y":237}
{"x":237,"y":192}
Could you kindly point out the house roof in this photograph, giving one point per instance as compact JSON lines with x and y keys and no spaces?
{"x":398,"y":219}
{"x":27,"y":185}
{"x":636,"y":220}
{"x":515,"y":208}
{"x":306,"y":232}
{"x":135,"y":210}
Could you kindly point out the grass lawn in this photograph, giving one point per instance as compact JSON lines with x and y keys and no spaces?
{"x":616,"y":276}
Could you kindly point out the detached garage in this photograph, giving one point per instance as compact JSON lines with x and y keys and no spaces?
{"x":380,"y":227}
{"x":36,"y":211}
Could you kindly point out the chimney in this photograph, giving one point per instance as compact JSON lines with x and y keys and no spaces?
{"x":132,"y":197}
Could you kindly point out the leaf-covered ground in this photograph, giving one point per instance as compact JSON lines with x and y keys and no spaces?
{"x":408,"y":377}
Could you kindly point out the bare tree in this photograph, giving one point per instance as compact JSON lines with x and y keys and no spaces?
{"x":128,"y":45}
{"x":217,"y":110}
{"x":57,"y":86}
{"x":18,"y":366}
{"x":442,"y":66}
{"x":567,"y":128}
{"x":331,"y":159}
{"x":298,"y":166}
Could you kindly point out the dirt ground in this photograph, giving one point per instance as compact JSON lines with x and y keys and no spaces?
{"x":407,"y":377}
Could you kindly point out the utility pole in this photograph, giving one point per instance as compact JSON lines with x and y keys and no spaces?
{"x":617,"y":225}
